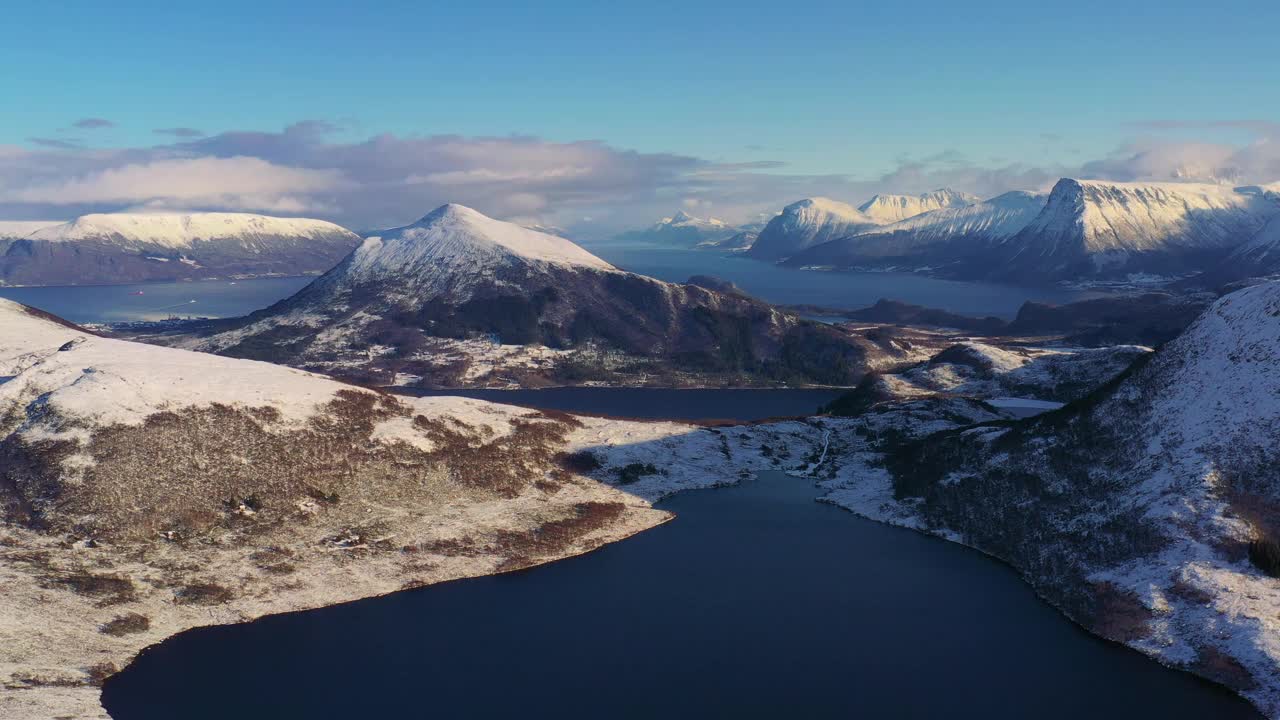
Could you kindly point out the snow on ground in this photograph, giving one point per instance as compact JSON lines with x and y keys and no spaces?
{"x":115,"y":381}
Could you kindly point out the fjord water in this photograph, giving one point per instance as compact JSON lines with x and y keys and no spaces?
{"x":157,"y":301}
{"x":755,"y":602}
{"x":790,"y":286}
{"x":223,"y":298}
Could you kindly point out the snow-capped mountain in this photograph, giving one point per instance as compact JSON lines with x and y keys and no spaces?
{"x":17,"y":229}
{"x":1091,"y":228}
{"x":1260,"y":256}
{"x":1149,"y":510}
{"x":126,"y":247}
{"x":938,"y":238}
{"x":684,"y":230}
{"x":886,"y":209}
{"x":456,"y":290}
{"x":806,"y":223}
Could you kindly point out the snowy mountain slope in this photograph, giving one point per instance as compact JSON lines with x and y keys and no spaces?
{"x":1092,"y":228}
{"x":1149,"y":510}
{"x":887,"y":209}
{"x":145,"y":491}
{"x":404,"y":302}
{"x":455,"y":240}
{"x":15,"y":229}
{"x":122,"y":248}
{"x":806,"y":223}
{"x":1260,"y":256}
{"x":933,"y":238}
{"x":183,"y":231}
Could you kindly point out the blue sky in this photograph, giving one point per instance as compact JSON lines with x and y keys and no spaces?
{"x":839,"y":88}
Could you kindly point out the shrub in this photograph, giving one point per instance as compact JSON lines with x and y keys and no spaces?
{"x":1264,"y":553}
{"x":633,"y":472}
{"x":203,"y":594}
{"x":125,"y":625}
{"x":581,"y":462}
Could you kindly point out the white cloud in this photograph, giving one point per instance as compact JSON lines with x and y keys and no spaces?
{"x":237,"y":182}
{"x":388,"y":180}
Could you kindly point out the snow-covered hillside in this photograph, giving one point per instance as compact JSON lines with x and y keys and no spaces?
{"x":935,"y":238}
{"x":1149,"y":510}
{"x":887,"y":209}
{"x":183,"y":231}
{"x":15,"y":229}
{"x":1260,"y":256}
{"x":419,"y":300}
{"x":147,"y":491}
{"x":1091,"y":228}
{"x":806,"y":223}
{"x":127,"y":247}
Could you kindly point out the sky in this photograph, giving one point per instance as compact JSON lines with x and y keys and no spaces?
{"x":598,"y":115}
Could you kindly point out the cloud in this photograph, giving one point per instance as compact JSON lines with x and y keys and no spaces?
{"x":312,"y":168}
{"x":240,"y":183}
{"x":92,"y":123}
{"x":179,"y":132}
{"x":1159,"y":159}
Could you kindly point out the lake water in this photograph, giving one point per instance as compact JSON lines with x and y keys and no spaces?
{"x":755,"y":602}
{"x":221,"y":298}
{"x":834,"y":289}
{"x":157,"y":301}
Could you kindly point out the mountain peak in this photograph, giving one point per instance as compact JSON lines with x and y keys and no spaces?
{"x":446,"y":211}
{"x":466,"y":240}
{"x":887,"y":208}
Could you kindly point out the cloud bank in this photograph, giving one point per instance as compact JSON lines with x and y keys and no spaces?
{"x":310,"y":169}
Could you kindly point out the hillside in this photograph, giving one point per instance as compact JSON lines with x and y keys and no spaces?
{"x":146,"y":490}
{"x":806,"y":223}
{"x":1148,"y":510}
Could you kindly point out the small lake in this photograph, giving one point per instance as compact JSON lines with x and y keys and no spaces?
{"x":755,"y":602}
{"x":157,"y":301}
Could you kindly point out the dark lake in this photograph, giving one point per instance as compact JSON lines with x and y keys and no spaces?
{"x":755,"y":602}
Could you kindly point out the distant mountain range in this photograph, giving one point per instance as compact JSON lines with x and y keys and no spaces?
{"x":126,"y":248}
{"x":1082,"y":230}
{"x":461,"y":287}
{"x":685,"y":230}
